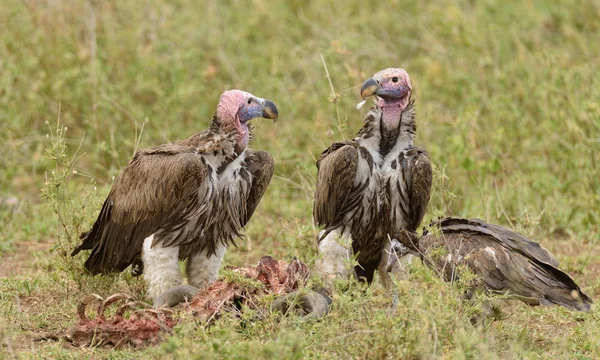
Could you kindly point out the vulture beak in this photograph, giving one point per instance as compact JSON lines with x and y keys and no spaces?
{"x":369,"y":88}
{"x":269,"y":110}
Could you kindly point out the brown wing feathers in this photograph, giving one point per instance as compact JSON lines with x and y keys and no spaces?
{"x":158,"y":189}
{"x":505,"y":261}
{"x":416,"y":171}
{"x":336,"y":194}
{"x":169,"y":191}
{"x":260,"y":165}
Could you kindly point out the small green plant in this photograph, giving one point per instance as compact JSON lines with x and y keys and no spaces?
{"x":71,"y":204}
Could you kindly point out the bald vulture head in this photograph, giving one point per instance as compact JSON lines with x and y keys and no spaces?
{"x":391,"y":86}
{"x":236,"y":108}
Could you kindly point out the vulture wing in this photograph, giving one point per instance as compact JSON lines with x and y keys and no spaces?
{"x":162,"y":188}
{"x":260,"y":165}
{"x":408,"y":189}
{"x":509,"y":238}
{"x":504,"y":261}
{"x":339,"y":190}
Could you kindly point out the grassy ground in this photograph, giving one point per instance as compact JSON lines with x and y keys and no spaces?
{"x":507,"y":95}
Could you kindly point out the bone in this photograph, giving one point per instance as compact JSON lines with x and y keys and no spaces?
{"x":110,"y":300}
{"x":84,"y":304}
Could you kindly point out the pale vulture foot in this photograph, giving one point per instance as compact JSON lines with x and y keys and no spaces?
{"x":310,"y":304}
{"x":175,"y":296}
{"x":161,"y":267}
{"x":334,"y":258}
{"x":203,"y":268}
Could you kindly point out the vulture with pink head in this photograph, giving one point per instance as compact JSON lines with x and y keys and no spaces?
{"x":184,"y":200}
{"x":373,"y":186}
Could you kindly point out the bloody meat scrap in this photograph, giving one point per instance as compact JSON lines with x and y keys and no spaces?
{"x":145,"y":325}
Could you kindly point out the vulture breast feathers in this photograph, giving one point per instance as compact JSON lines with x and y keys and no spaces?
{"x":504,"y":261}
{"x":191,"y":194}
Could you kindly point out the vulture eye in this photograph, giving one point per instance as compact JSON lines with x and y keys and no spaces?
{"x":395,"y":79}
{"x":249,"y":101}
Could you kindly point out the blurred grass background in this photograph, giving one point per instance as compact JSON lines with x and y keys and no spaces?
{"x":508,"y":108}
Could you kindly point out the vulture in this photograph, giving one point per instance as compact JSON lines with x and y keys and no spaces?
{"x":504,"y":261}
{"x":185,"y":200}
{"x":373,"y":186}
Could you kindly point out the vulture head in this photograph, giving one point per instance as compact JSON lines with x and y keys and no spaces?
{"x":236,"y":108}
{"x":392,"y":87}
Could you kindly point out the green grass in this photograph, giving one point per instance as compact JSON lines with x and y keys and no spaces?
{"x":508,"y":103}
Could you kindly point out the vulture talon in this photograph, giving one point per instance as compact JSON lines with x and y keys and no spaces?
{"x":311,"y":304}
{"x":175,"y":296}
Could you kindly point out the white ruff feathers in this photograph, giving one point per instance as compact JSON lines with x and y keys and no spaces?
{"x":360,"y":104}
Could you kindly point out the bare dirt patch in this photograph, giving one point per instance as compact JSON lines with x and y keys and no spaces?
{"x":19,"y":261}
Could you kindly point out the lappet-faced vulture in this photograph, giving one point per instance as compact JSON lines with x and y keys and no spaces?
{"x":374,"y":185}
{"x":503,"y":260}
{"x":184,"y":200}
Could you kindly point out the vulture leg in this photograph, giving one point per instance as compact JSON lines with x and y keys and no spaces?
{"x":161,"y":266}
{"x":255,"y":172}
{"x":175,"y":296}
{"x":393,"y":261}
{"x":335,"y":255}
{"x":203,"y":268}
{"x":311,"y":304}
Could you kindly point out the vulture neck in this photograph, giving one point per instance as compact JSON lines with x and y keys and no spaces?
{"x":219,"y":145}
{"x":236,"y":137}
{"x":398,"y":125}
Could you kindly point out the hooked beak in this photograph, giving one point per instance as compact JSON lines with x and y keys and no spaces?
{"x":372,"y":87}
{"x":369,"y":88}
{"x":269,"y":110}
